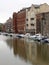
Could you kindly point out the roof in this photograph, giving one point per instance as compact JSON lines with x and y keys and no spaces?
{"x":36,"y":6}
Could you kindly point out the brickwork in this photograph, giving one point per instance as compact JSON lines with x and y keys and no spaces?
{"x":15,"y":22}
{"x":21,"y":16}
{"x":19,"y":21}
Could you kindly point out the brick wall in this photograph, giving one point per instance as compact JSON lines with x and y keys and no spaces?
{"x":19,"y":21}
{"x":21,"y":16}
{"x":15,"y":22}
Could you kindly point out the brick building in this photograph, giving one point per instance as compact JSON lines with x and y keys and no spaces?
{"x":21,"y":18}
{"x":29,"y":20}
{"x":15,"y":22}
{"x":19,"y":21}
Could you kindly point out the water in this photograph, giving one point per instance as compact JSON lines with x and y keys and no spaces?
{"x":22,"y":52}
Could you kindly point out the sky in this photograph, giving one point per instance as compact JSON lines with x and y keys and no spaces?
{"x":7,"y":7}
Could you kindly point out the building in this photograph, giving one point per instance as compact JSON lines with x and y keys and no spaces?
{"x":44,"y":23}
{"x":15,"y":22}
{"x":38,"y":23}
{"x":19,"y":19}
{"x":27,"y":20}
{"x":31,"y":19}
{"x":44,"y":8}
{"x":9,"y":25}
{"x":33,"y":24}
{"x":42,"y":20}
{"x":1,"y":27}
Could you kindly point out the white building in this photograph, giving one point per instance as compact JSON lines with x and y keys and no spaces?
{"x":31,"y":12}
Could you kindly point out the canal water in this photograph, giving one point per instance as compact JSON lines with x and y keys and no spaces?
{"x":23,"y":52}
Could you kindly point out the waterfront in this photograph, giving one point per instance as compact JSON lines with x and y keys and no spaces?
{"x":21,"y":52}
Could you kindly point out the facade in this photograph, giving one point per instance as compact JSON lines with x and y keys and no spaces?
{"x":44,"y":8}
{"x":33,"y":24}
{"x":27,"y":20}
{"x":15,"y":22}
{"x":31,"y":19}
{"x":38,"y":23}
{"x":1,"y":27}
{"x":9,"y":25}
{"x":19,"y":21}
{"x":44,"y":20}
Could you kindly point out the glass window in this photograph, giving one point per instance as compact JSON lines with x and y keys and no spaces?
{"x":32,"y":18}
{"x":26,"y":19}
{"x":27,"y":24}
{"x":32,"y":24}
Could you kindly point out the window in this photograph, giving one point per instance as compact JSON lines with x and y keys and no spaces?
{"x":26,"y":19}
{"x":32,"y":18}
{"x":27,"y":24}
{"x":32,"y":24}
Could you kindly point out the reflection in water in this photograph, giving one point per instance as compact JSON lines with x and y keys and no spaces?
{"x":9,"y":43}
{"x":37,"y":54}
{"x":19,"y":48}
{"x":6,"y":54}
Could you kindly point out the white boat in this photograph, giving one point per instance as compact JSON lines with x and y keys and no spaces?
{"x":46,"y":40}
{"x":27,"y":35}
{"x":20,"y":35}
{"x":37,"y":37}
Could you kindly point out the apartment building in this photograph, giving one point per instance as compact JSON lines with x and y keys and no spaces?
{"x":33,"y":24}
{"x":27,"y":20}
{"x":44,"y":23}
{"x":21,"y":20}
{"x":1,"y":27}
{"x":44,"y":8}
{"x":31,"y":19}
{"x":15,"y":22}
{"x":9,"y":25}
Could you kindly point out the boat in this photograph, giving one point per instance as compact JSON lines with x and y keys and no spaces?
{"x":46,"y":40}
{"x":20,"y":35}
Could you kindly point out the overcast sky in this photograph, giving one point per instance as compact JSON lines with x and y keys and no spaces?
{"x":7,"y":7}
